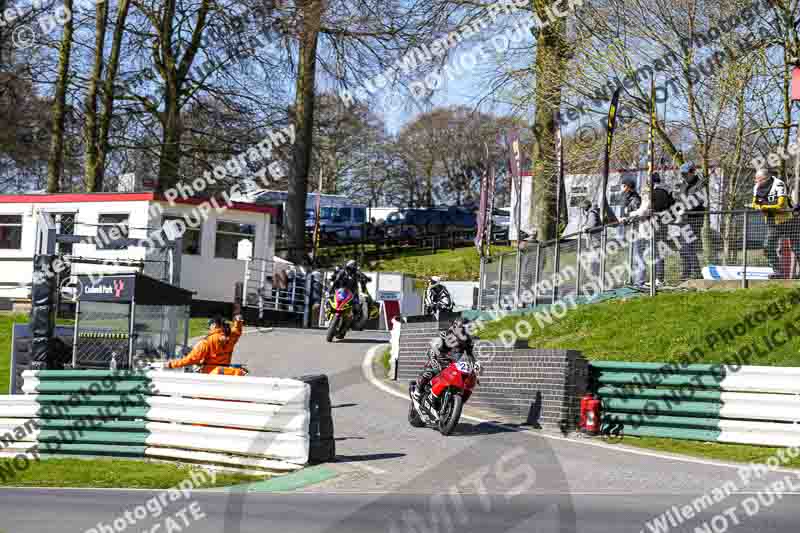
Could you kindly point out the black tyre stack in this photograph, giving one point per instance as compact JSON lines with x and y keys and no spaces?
{"x":323,"y":445}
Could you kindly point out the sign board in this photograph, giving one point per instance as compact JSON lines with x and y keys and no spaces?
{"x":107,"y":289}
{"x":736,"y":272}
{"x":245,"y":250}
{"x":388,"y":295}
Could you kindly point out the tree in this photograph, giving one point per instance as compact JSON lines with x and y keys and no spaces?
{"x":56,"y":160}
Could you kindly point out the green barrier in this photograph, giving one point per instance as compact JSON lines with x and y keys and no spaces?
{"x":674,"y":433}
{"x":108,"y":425}
{"x":672,"y":394}
{"x":64,"y":399}
{"x":96,"y":411}
{"x":665,"y":368}
{"x":659,"y":400}
{"x":615,"y":419}
{"x":706,"y":381}
{"x":90,"y":375}
{"x":651,"y":408}
{"x":64,"y":386}
{"x":94,"y":437}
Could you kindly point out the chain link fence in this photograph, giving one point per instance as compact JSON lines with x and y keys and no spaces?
{"x":647,"y":254}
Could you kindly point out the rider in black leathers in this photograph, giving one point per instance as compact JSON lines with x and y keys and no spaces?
{"x":352,"y":279}
{"x":450,"y":344}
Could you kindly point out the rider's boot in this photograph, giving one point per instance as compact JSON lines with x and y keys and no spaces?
{"x":417,"y":394}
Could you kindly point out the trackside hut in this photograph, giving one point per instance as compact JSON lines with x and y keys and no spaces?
{"x":209,"y":263}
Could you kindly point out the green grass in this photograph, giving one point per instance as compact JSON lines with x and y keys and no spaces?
{"x":111,"y":473}
{"x":7,"y":320}
{"x":198,"y":327}
{"x":737,"y":453}
{"x":386,"y":359}
{"x":661,"y":329}
{"x":462,"y":264}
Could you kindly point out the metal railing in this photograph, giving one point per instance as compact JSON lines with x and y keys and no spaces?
{"x":649,"y":254}
{"x":269,"y":286}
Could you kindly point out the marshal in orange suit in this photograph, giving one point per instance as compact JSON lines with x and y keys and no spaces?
{"x":214,"y":352}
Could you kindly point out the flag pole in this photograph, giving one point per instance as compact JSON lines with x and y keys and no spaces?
{"x":317,"y":221}
{"x":651,"y":166}
{"x":612,"y":121}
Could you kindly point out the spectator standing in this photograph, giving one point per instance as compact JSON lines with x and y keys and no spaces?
{"x":770,"y":196}
{"x":636,"y":208}
{"x":692,"y":245}
{"x":592,"y":224}
{"x":662,"y":201}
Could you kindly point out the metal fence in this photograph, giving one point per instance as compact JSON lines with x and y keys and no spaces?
{"x":273,"y":286}
{"x":648,"y":254}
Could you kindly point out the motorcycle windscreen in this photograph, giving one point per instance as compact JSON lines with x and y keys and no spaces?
{"x":343,"y":298}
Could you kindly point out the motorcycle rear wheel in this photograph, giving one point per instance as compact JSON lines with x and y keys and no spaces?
{"x":450,"y":414}
{"x":333,"y":328}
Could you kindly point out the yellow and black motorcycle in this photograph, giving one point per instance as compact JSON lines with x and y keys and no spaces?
{"x":339,"y":313}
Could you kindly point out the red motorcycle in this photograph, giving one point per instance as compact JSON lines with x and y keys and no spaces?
{"x":445,"y":396}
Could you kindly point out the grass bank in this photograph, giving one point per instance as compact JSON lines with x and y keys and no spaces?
{"x":660,"y":329}
{"x":735,"y":453}
{"x":461,"y":264}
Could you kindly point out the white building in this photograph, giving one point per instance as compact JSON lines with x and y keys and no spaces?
{"x":209,"y":263}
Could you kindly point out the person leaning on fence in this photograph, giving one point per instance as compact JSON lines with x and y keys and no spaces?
{"x":692,"y":186}
{"x":662,"y":201}
{"x":592,"y":224}
{"x":215,"y":351}
{"x":771,"y":197}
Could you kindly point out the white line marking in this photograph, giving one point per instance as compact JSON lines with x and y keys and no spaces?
{"x":366,"y":366}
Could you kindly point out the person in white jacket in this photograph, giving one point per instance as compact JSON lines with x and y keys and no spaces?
{"x":639,"y":237}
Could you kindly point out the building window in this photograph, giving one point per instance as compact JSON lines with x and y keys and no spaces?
{"x":359,"y":215}
{"x":10,"y":232}
{"x":228,"y":236}
{"x":192,"y":237}
{"x":342,"y":216}
{"x":112,"y":228}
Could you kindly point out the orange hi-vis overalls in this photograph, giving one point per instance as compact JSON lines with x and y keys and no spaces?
{"x":214,"y":352}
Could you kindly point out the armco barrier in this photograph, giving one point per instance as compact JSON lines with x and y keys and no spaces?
{"x":253,"y":422}
{"x":749,"y":405}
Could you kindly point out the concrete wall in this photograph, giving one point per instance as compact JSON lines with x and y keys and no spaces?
{"x":541,"y":388}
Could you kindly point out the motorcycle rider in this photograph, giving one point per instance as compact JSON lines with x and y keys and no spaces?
{"x":437,"y":296}
{"x":351,"y":278}
{"x":451,"y":343}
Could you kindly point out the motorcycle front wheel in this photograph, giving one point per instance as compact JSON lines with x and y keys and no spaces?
{"x":413,"y":417}
{"x":450,"y":413}
{"x":333,"y":328}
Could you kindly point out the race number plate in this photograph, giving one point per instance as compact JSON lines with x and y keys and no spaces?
{"x":465,"y":367}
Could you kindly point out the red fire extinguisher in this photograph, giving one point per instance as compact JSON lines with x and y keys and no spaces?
{"x":590,"y":414}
